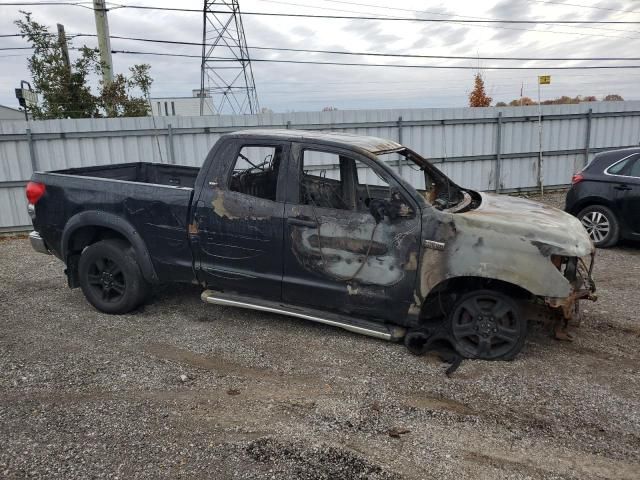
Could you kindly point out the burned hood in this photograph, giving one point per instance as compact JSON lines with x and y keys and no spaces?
{"x":552,"y":231}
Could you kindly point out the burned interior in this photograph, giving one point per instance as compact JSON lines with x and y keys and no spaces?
{"x":255,"y":171}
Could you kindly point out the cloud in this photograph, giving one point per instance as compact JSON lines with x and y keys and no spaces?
{"x":511,"y":9}
{"x":303,"y":31}
{"x":286,"y":87}
{"x":372,"y":32}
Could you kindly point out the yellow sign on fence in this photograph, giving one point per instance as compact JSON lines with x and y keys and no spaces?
{"x":544,"y":79}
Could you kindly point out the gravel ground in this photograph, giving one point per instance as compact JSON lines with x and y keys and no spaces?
{"x":180,"y":389}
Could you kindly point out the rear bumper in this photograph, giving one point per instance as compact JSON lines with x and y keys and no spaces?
{"x":37,"y":243}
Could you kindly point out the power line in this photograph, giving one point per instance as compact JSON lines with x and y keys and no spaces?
{"x":583,"y":6}
{"x":354,"y":64}
{"x":454,"y":21}
{"x":345,"y":17}
{"x":431,"y":12}
{"x":374,"y":54}
{"x":339,"y":52}
{"x":449,"y":57}
{"x":402,"y":19}
{"x":40,"y":4}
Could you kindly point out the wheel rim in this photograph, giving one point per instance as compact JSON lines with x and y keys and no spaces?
{"x":107,"y":280}
{"x":485,"y":326}
{"x":597,"y":225}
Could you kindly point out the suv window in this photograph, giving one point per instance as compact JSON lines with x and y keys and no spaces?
{"x":255,"y":171}
{"x":618,"y":168}
{"x":634,"y":171}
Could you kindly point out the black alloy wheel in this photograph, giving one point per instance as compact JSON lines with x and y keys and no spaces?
{"x":487,"y":324}
{"x":110,"y":277}
{"x":107,"y":280}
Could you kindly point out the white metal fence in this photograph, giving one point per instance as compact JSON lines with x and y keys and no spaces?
{"x":480,"y":148}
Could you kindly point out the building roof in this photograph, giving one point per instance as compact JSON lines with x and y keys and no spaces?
{"x":369,"y":144}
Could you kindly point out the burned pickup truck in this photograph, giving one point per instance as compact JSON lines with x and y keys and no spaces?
{"x":319,"y":226}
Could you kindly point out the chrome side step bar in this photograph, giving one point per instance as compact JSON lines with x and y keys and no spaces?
{"x":356,"y":325}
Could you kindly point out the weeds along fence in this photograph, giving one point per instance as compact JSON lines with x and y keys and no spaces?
{"x":491,"y":149}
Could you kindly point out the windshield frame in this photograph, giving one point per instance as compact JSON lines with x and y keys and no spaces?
{"x":433,"y":177}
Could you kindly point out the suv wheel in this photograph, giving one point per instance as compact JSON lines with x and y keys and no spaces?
{"x":601,"y":225}
{"x":487,"y":324}
{"x":110,"y":277}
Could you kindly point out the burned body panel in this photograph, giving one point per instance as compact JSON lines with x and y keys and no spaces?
{"x":240,"y":235}
{"x":512,"y":240}
{"x":240,"y":243}
{"x":355,"y":264}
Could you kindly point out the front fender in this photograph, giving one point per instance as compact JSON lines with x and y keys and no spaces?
{"x":96,"y":218}
{"x":468,"y":250}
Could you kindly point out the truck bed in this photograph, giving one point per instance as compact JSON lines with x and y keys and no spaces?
{"x":141,"y":172}
{"x":152,"y":199}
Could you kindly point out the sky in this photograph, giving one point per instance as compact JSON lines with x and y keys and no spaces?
{"x":285,"y":87}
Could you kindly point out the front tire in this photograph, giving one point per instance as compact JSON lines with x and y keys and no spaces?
{"x":601,"y":225}
{"x":487,"y":324}
{"x":110,"y":277}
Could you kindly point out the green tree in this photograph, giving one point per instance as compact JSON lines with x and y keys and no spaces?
{"x":65,"y":91}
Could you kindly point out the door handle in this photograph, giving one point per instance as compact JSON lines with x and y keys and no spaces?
{"x":622,"y":187}
{"x":302,"y":223}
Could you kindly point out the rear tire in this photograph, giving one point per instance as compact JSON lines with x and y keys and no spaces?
{"x":110,"y":277}
{"x":487,"y":324}
{"x":601,"y":225}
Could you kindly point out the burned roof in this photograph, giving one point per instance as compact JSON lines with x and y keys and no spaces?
{"x":369,"y":144}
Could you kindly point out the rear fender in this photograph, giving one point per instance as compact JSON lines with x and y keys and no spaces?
{"x":117,"y":224}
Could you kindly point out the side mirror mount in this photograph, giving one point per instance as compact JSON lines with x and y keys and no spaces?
{"x":394,"y":208}
{"x":378,"y":208}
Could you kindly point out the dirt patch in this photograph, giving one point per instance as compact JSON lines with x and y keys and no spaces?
{"x":300,"y":460}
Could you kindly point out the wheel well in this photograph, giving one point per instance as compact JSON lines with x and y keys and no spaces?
{"x":588,"y":202}
{"x":82,"y":238}
{"x":444,"y":295}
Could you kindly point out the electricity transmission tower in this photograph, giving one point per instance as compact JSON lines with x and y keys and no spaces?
{"x":226,"y":76}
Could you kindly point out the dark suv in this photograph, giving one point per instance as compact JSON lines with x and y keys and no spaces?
{"x":605,"y":196}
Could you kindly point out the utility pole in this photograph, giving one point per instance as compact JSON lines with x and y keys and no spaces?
{"x":104,"y":42}
{"x":542,"y":80}
{"x":62,"y":40}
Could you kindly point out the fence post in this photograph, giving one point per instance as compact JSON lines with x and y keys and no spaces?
{"x":32,"y":151}
{"x":540,"y":153}
{"x":172,"y":155}
{"x":400,"y":142}
{"x":498,"y":153}
{"x":588,"y":137}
